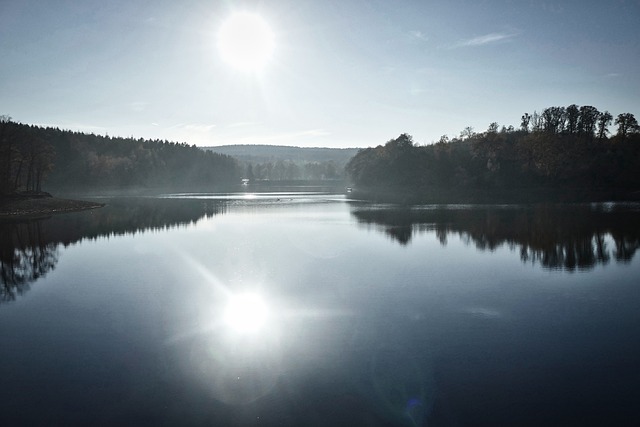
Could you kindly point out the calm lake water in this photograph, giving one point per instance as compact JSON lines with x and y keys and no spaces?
{"x":295,"y":309}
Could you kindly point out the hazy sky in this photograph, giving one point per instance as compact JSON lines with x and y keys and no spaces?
{"x":344,"y":73}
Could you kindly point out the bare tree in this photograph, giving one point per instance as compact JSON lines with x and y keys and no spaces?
{"x":588,"y":119}
{"x":467,"y":133}
{"x":573,"y":115}
{"x":524,"y":122}
{"x":553,"y":119}
{"x":603,"y":123}
{"x":627,"y":124}
{"x":10,"y":155}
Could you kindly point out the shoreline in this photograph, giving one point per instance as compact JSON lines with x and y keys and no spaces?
{"x":36,"y":207}
{"x":536,"y":195}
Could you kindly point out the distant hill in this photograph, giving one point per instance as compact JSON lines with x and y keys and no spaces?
{"x":274,"y":153}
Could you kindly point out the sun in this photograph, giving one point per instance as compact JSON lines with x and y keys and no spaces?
{"x":245,"y":41}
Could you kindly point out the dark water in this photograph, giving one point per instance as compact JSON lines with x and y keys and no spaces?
{"x":306,"y":309}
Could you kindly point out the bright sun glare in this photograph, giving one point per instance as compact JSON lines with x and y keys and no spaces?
{"x":245,"y":41}
{"x":246,"y":313}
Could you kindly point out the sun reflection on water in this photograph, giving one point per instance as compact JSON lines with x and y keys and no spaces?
{"x":252,"y":342}
{"x":246,"y":313}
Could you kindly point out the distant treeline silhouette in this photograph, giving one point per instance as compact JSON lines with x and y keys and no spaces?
{"x":74,"y":161}
{"x":560,"y":149}
{"x":566,"y":237}
{"x":286,"y":170}
{"x":277,"y":163}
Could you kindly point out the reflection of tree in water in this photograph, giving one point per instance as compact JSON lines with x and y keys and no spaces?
{"x":124,"y":216}
{"x":29,"y":249}
{"x":24,"y":257}
{"x":567,"y":237}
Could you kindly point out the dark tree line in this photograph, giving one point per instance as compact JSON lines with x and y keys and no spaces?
{"x":26,"y":157}
{"x":74,"y":161}
{"x":560,"y":148}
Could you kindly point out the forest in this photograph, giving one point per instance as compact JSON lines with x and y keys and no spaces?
{"x":277,"y":163}
{"x":66,"y":161}
{"x":567,"y":150}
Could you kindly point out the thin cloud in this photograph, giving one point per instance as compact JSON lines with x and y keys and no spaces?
{"x":485,"y":39}
{"x":196,"y":127}
{"x":419,"y":35}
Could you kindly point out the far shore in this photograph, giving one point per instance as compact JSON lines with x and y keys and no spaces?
{"x":34,"y":206}
{"x":497,"y":196}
